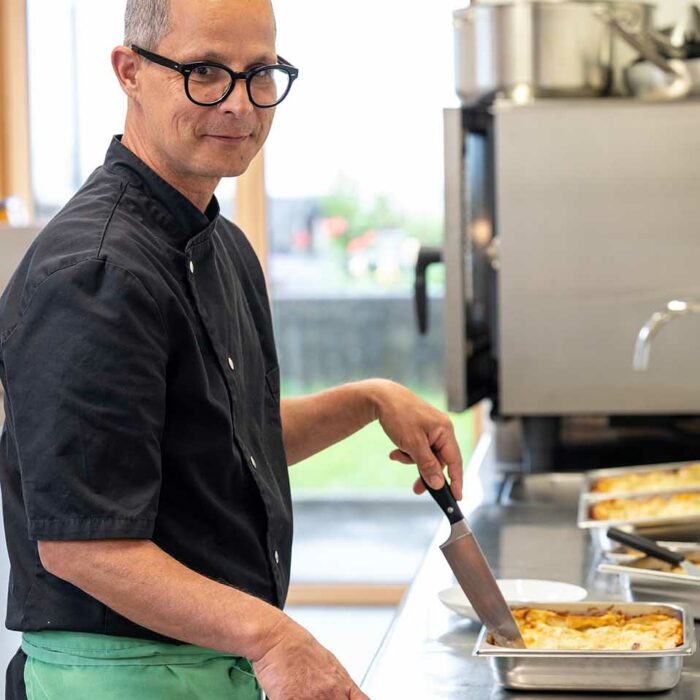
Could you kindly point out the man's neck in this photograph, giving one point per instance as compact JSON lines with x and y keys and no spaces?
{"x":199,"y":192}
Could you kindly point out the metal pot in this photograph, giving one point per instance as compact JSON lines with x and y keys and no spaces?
{"x":649,"y":81}
{"x":542,"y":48}
{"x":656,"y":77}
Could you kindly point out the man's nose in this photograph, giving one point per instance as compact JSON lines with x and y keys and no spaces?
{"x":238,"y":102}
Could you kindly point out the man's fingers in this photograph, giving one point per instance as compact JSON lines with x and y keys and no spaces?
{"x":454,"y":469}
{"x":451,"y":456}
{"x":428,"y":464}
{"x":446,"y":447}
{"x":401,"y":456}
{"x":356,"y":694}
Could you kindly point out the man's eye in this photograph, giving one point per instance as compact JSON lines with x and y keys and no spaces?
{"x":264,"y":75}
{"x":209,"y":74}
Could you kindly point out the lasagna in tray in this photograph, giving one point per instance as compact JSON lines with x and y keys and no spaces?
{"x":671,"y":506}
{"x":660,"y":480}
{"x":608,"y":630}
{"x":653,"y":564}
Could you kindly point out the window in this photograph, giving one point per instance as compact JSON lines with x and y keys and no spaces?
{"x":355,"y":184}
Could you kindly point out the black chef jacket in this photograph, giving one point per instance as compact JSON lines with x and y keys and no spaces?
{"x":141,"y":396}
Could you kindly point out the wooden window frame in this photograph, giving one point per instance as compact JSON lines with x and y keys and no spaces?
{"x":251,"y":207}
{"x":15,"y":172}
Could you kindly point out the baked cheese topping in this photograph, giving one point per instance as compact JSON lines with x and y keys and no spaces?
{"x":615,"y":631}
{"x":653,"y":564}
{"x":660,"y":480}
{"x":675,"y":505}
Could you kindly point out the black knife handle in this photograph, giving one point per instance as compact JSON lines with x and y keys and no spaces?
{"x":444,"y":498}
{"x":644,"y":544}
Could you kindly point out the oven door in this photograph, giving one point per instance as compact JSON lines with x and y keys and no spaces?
{"x":470,"y":257}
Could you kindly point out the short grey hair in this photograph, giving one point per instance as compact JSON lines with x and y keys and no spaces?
{"x":146,"y":23}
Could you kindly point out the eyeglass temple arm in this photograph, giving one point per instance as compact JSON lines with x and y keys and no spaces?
{"x":155,"y":58}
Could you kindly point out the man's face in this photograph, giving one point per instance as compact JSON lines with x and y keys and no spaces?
{"x":208,"y":142}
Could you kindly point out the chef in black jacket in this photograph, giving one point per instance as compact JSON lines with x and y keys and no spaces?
{"x":144,"y":457}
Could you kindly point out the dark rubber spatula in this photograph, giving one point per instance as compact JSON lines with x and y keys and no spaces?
{"x":653,"y":549}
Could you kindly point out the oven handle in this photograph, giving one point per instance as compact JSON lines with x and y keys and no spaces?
{"x":427,"y":256}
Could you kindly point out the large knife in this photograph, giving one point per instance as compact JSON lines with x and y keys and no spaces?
{"x":474,"y":575}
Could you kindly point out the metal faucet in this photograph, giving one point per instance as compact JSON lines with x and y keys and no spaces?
{"x":656,"y":322}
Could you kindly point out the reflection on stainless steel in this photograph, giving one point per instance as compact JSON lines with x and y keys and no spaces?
{"x":562,"y":488}
{"x":656,"y":322}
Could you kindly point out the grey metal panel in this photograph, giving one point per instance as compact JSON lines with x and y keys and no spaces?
{"x":14,"y":242}
{"x":599,"y":220}
{"x":454,"y":255}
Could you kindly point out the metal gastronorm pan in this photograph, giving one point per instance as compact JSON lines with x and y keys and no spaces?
{"x":591,"y":477}
{"x":663,"y":527}
{"x":661,"y":586}
{"x":594,"y":670}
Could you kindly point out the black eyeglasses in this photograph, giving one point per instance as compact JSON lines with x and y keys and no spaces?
{"x":208,"y":83}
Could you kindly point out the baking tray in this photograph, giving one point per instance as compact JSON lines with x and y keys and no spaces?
{"x":681,"y":532}
{"x":620,"y":554}
{"x":590,"y":477}
{"x":660,"y":527}
{"x":650,"y":576}
{"x":594,"y":670}
{"x":660,"y":586}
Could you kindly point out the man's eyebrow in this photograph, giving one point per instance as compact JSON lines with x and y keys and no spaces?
{"x":266,"y":58}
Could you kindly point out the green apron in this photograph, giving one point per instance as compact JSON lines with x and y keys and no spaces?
{"x":75,"y":666}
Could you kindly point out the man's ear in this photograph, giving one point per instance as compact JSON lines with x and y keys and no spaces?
{"x":126,"y":65}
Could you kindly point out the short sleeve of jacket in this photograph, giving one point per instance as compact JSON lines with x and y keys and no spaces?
{"x":85,"y":373}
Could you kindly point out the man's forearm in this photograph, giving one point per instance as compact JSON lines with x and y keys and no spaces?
{"x":140,"y":581}
{"x":312,"y":423}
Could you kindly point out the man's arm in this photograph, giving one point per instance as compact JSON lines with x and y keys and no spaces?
{"x":423,"y":435}
{"x":140,"y":581}
{"x":312,"y":423}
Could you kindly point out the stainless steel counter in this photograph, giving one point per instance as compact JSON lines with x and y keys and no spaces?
{"x":427,"y":653}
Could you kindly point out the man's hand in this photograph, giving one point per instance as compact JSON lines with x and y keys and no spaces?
{"x":424,"y":435}
{"x":296,"y":667}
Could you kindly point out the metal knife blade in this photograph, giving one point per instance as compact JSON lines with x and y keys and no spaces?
{"x":473,"y":573}
{"x":476,"y":579}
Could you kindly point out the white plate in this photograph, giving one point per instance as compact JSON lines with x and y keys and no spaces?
{"x":516,"y":590}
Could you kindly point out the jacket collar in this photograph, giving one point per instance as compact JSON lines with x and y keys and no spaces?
{"x":184,"y":219}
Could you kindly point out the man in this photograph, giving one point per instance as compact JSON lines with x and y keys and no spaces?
{"x":145,"y":451}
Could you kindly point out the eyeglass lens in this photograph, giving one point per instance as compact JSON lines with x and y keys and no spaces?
{"x":208,"y":84}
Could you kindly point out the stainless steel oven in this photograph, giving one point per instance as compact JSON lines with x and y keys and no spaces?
{"x":568,"y":223}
